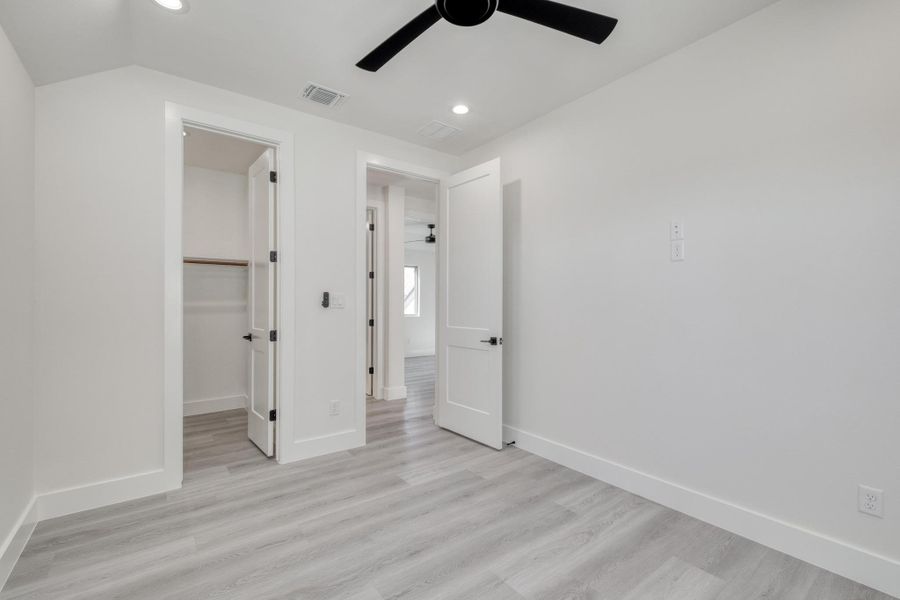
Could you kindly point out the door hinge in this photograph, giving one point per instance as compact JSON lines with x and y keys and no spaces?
{"x":273,"y":336}
{"x":371,"y":322}
{"x":371,"y":370}
{"x":273,"y":414}
{"x":273,"y":177}
{"x":273,"y":256}
{"x":371,"y":274}
{"x":371,"y":226}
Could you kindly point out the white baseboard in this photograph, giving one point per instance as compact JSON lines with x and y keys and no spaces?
{"x":420,"y":353}
{"x":395,"y":393}
{"x":96,"y":495}
{"x":860,"y":565}
{"x":326,"y":444}
{"x":16,"y":541}
{"x":212,"y":405}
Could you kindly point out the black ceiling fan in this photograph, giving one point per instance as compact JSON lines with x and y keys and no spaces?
{"x":467,"y":13}
{"x":429,"y":239}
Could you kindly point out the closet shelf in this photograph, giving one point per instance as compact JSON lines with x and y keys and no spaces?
{"x":225,"y":262}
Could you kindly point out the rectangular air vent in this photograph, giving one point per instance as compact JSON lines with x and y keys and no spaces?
{"x":437,"y":130}
{"x":322,"y":95}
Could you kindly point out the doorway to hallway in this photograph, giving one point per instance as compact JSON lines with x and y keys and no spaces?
{"x":401,"y":264}
{"x":463,"y":224}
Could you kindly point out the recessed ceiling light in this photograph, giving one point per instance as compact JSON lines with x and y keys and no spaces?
{"x":173,"y":5}
{"x":459,"y":109}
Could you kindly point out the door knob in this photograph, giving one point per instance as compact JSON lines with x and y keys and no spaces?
{"x":248,"y":337}
{"x":493,"y":341}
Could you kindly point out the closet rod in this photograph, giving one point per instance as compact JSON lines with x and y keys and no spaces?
{"x":225,"y":262}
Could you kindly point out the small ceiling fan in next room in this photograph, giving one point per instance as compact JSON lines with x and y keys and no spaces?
{"x":429,"y":239}
{"x":467,"y":13}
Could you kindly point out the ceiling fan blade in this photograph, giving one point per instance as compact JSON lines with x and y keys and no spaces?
{"x":568,"y":19}
{"x":378,"y":57}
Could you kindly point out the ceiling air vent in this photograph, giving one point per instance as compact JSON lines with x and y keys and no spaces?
{"x":322,"y":95}
{"x":437,"y":130}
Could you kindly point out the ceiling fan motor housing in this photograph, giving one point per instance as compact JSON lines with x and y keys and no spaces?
{"x":466,"y":13}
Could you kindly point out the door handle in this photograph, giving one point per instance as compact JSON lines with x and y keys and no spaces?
{"x":493,"y":341}
{"x":248,"y":337}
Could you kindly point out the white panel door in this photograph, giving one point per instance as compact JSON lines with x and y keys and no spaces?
{"x":261,"y":304}
{"x":470,"y":312}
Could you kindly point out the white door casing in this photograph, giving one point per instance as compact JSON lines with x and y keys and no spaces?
{"x":371,"y":298}
{"x":470,"y":305}
{"x":261,"y":303}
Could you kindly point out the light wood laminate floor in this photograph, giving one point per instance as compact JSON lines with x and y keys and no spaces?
{"x":419,"y":513}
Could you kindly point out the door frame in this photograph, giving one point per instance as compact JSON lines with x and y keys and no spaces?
{"x":177,"y":117}
{"x":363,"y":162}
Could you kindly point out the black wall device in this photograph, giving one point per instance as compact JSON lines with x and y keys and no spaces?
{"x":326,"y":299}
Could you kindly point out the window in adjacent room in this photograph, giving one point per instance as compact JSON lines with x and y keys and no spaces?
{"x":411,"y":291}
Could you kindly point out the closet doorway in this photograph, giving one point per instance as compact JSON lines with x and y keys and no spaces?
{"x":229,"y":287}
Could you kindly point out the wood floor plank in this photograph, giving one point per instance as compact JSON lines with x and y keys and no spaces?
{"x":417,"y":514}
{"x":677,"y":580}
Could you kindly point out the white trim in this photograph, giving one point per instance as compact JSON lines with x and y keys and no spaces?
{"x":173,"y":311}
{"x":205,"y":406}
{"x":177,"y":116}
{"x":363,"y":161}
{"x":379,"y":207}
{"x":16,"y":541}
{"x":103,"y":493}
{"x":857,"y":564}
{"x":328,"y":444}
{"x":395,"y":393}
{"x":420,"y":352}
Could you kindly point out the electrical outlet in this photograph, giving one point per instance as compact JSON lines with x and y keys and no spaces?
{"x":334,"y":408}
{"x":871,"y":501}
{"x":678,"y":251}
{"x":676,"y":229}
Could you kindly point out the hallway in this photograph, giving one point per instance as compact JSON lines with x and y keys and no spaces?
{"x":420,"y":378}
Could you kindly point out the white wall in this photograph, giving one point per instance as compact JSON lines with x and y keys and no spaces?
{"x":215,"y":355}
{"x":762,"y":371}
{"x":215,"y":297}
{"x":215,"y":214}
{"x":394,"y":330}
{"x":16,"y":297}
{"x":99,"y":307}
{"x":420,"y":330}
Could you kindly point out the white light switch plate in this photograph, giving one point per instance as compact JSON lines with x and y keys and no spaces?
{"x":339,"y":301}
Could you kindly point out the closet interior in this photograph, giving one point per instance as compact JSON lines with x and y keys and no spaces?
{"x":216,"y":248}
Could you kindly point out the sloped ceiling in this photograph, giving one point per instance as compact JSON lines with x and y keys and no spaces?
{"x":508,"y":70}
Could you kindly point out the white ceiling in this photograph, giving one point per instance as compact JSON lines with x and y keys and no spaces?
{"x":219,"y":152}
{"x":508,"y":70}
